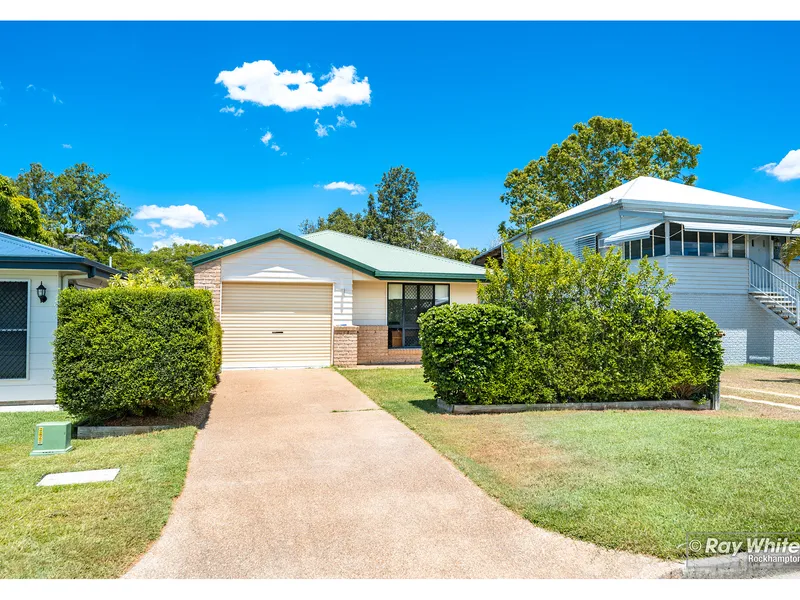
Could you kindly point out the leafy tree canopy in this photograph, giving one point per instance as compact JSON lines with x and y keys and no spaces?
{"x":172,"y":261}
{"x":596,"y":157}
{"x":19,"y":216}
{"x":393,"y":216}
{"x":80,"y":211}
{"x":146,"y":278}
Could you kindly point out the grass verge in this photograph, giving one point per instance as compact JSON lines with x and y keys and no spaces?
{"x":91,"y":530}
{"x":629,"y":480}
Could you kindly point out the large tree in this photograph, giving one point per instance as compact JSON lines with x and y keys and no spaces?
{"x":80,"y":210}
{"x":596,"y":157}
{"x":392,"y":216}
{"x":19,"y":216}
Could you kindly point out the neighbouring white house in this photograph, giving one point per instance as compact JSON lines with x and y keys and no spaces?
{"x":31,"y":277}
{"x":723,"y":251}
{"x":326,"y":298}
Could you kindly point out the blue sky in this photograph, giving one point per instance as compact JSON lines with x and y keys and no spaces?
{"x":459,"y":103}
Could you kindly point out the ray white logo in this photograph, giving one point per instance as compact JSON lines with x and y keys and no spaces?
{"x":733,"y":544}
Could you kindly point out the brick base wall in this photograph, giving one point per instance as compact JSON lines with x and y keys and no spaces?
{"x":208,"y":277}
{"x":373,"y":342}
{"x":345,"y":346}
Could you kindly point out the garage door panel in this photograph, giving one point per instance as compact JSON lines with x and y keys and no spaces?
{"x":253,"y":312}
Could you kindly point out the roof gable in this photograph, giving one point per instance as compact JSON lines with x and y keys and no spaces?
{"x":376,"y":259}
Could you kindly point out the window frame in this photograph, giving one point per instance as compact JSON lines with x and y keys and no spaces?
{"x":16,"y":380}
{"x":402,"y":327}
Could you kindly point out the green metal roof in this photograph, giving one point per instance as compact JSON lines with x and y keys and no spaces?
{"x":382,"y":261}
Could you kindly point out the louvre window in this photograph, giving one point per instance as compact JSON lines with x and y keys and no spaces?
{"x":406,"y":302}
{"x":13,"y":329}
{"x":585,"y":241}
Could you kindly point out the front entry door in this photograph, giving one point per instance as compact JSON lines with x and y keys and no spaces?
{"x":761,"y":250}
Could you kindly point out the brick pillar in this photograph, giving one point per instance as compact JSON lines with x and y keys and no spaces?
{"x":345,"y":346}
{"x":208,"y":277}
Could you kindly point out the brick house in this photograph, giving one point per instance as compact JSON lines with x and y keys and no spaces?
{"x":326,"y":298}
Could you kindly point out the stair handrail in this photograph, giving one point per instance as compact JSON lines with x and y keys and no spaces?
{"x":765,"y":281}
{"x":786,"y":273}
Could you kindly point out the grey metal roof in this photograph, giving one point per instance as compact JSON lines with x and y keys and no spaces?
{"x":18,"y":253}
{"x":12,"y":246}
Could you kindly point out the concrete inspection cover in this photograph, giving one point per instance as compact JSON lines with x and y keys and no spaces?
{"x":79,"y":477}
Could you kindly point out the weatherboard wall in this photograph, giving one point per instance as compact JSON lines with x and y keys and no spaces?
{"x":281,"y":262}
{"x":39,"y":384}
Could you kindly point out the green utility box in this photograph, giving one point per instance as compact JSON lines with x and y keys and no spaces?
{"x":52,"y":438}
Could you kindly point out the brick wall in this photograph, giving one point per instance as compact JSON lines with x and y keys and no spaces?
{"x":373,"y":342}
{"x":752,"y":334}
{"x":207,"y":277}
{"x":345,"y":346}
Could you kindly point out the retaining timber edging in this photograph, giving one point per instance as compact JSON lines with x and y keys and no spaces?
{"x":471,"y":409}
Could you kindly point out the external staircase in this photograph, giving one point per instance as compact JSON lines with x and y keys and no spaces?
{"x":776,"y":290}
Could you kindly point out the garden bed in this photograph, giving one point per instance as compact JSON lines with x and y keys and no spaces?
{"x":132,"y":425}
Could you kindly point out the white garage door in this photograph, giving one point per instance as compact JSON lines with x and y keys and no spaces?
{"x":276,"y":325}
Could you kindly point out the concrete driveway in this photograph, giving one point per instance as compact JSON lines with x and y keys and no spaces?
{"x":299,"y":474}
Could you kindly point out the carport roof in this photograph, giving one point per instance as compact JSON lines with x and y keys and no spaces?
{"x":382,"y":261}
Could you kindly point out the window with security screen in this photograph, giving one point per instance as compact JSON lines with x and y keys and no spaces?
{"x":13,"y":329}
{"x":406,"y":302}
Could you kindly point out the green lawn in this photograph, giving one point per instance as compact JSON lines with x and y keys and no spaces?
{"x":89,"y":530}
{"x":631,"y":480}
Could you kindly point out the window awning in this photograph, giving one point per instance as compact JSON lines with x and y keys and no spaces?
{"x":635,"y":233}
{"x":753,"y":229}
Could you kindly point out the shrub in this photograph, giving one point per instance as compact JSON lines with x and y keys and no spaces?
{"x":554,"y":328}
{"x":131,"y":351}
{"x":694,"y":353}
{"x":464,"y":349}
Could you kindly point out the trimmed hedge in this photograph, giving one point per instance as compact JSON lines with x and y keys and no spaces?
{"x":129,"y":351}
{"x":556,"y":328}
{"x":485,"y":354}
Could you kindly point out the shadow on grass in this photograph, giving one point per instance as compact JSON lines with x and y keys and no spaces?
{"x":778,"y":380}
{"x":429,"y":406}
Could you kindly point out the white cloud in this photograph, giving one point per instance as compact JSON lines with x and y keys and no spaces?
{"x":177,"y":217}
{"x":322,"y":130}
{"x":342,"y":121}
{"x":355,"y":189}
{"x":225,"y":242}
{"x":452,"y":242}
{"x":172,"y":240}
{"x":66,"y":146}
{"x":786,"y":170}
{"x":266,"y":139}
{"x":283,"y":154}
{"x":236,"y":112}
{"x":262,"y":83}
{"x":32,"y":88}
{"x":222,"y":217}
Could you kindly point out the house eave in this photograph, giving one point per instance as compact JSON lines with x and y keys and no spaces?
{"x":53,"y":263}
